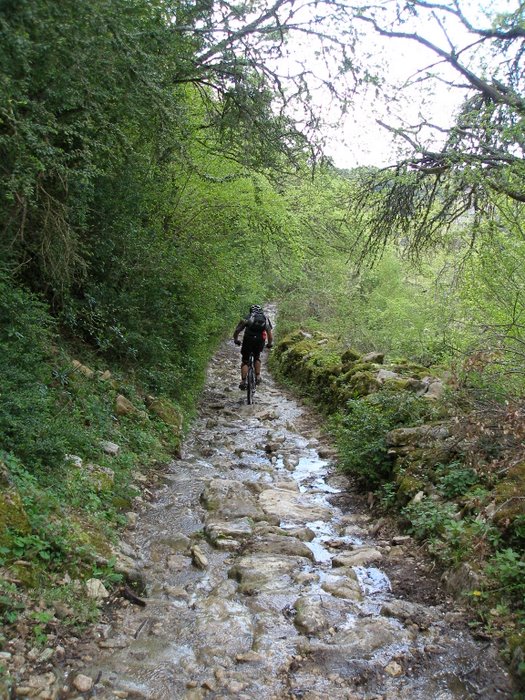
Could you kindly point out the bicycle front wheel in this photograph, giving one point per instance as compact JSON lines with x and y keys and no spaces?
{"x":250,"y":385}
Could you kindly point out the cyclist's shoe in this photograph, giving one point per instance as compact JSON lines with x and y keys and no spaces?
{"x":258,"y":380}
{"x":242,"y":385}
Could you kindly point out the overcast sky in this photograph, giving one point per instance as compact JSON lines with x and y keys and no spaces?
{"x":359,"y":140}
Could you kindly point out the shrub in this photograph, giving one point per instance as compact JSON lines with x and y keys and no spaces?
{"x":428,"y":519}
{"x":506,"y":571}
{"x":361,"y":431}
{"x":455,"y":479}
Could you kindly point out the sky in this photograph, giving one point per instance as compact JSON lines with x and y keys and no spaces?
{"x":359,"y":140}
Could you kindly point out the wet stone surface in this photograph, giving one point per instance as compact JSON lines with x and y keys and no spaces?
{"x":260,"y":587}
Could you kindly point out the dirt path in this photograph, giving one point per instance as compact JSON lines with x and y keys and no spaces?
{"x":264,"y":584}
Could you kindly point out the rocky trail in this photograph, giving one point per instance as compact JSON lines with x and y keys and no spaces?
{"x":267,"y":579}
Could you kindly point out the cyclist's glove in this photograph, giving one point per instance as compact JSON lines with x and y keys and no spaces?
{"x":237,"y":342}
{"x":269,"y":346}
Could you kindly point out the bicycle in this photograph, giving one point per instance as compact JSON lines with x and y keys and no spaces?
{"x":251,"y":381}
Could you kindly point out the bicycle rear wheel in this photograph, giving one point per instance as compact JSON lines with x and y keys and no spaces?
{"x":250,"y":384}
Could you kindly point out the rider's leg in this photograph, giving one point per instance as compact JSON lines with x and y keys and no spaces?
{"x":244,"y":368}
{"x":257,"y":360}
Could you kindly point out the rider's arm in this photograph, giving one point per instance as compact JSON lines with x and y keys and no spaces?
{"x":240,"y":326}
{"x":269,"y":334}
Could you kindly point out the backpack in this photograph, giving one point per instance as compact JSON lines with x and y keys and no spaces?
{"x":256,"y":322}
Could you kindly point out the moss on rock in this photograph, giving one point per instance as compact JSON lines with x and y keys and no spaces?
{"x":363,"y":383}
{"x":350,"y":356}
{"x":12,"y":516}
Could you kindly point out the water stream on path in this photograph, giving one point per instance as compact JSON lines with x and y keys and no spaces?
{"x":260,"y":588}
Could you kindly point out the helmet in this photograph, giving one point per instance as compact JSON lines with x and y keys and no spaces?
{"x":255,"y":308}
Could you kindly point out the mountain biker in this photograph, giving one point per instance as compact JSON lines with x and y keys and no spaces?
{"x":257,"y":329}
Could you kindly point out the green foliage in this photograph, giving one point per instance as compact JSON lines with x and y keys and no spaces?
{"x":361,"y":432}
{"x":387,"y":494}
{"x":455,"y":480}
{"x":428,"y":518}
{"x":27,"y":404}
{"x":507,"y":572}
{"x":10,"y":604}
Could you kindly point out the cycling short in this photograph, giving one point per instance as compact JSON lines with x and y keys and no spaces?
{"x":254,"y":345}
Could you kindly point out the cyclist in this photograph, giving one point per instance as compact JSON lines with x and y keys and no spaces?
{"x":257,"y":329}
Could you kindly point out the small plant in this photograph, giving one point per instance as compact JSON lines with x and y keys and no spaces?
{"x":387,"y":494}
{"x":455,"y":479}
{"x":10,"y":604}
{"x":107,"y":572}
{"x":428,"y":519}
{"x":42,"y":618}
{"x":506,"y":570}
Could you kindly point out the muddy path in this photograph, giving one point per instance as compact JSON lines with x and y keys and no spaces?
{"x":264,"y":583}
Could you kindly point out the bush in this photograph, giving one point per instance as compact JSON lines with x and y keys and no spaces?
{"x":455,"y":480}
{"x":361,"y":432}
{"x":506,"y":571}
{"x":428,"y":519}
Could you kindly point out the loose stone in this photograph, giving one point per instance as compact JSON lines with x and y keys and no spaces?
{"x":198,"y":557}
{"x":83,"y":683}
{"x":393,"y":669}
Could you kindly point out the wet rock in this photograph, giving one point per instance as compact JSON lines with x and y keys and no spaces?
{"x":346,"y":586}
{"x":177,"y":562}
{"x":289,"y":485}
{"x":127,"y":550}
{"x":360,"y":556}
{"x":198,"y":557}
{"x":248,"y":657}
{"x":230,"y":500}
{"x":228,"y":535}
{"x":131,"y":519}
{"x":304,"y":578}
{"x":226,"y":624}
{"x":178,"y":543}
{"x":113,"y":644}
{"x":176,"y":592}
{"x":311,"y":617}
{"x":360,"y":641}
{"x":301,"y":533}
{"x":286,"y":505}
{"x":406,"y":611}
{"x":326,"y":452}
{"x":279,"y":544}
{"x":290,"y":461}
{"x":258,"y":573}
{"x":272,"y":447}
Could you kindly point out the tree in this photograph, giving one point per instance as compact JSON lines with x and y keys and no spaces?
{"x":481,"y":153}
